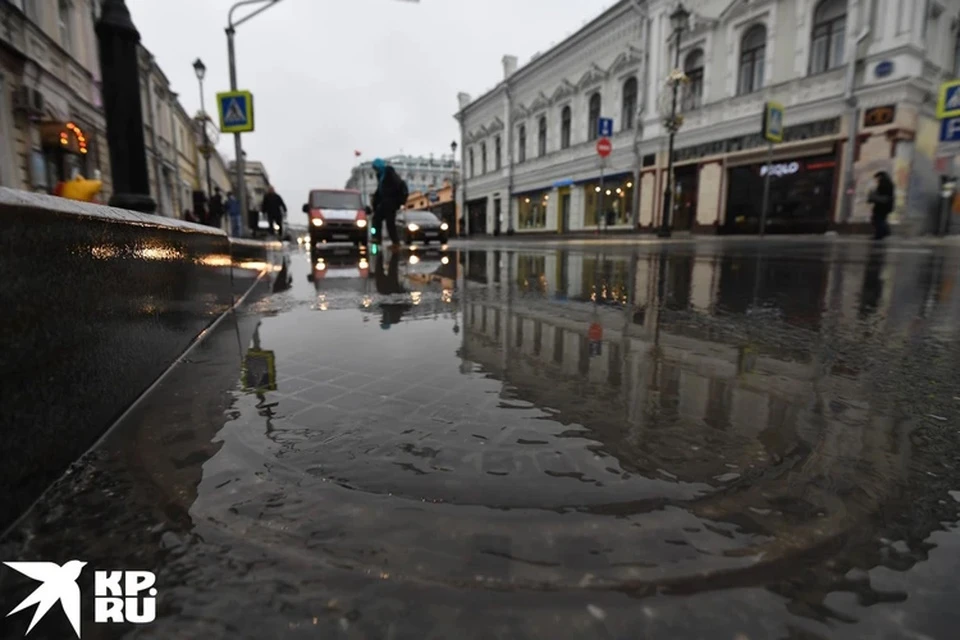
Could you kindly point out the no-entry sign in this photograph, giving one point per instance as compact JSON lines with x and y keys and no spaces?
{"x":604,"y":147}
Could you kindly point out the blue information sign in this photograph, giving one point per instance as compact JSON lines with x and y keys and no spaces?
{"x":950,"y":130}
{"x":605,"y":127}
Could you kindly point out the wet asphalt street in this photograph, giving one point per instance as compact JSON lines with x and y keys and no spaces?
{"x":699,"y":440}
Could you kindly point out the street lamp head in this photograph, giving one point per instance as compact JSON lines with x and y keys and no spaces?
{"x":453,"y":146}
{"x":199,"y":68}
{"x":679,"y":18}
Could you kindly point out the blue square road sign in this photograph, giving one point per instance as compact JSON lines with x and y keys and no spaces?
{"x":236,"y":111}
{"x":605,"y":127}
{"x":948,"y":100}
{"x":950,"y":130}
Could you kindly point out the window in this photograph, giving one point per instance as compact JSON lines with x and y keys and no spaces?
{"x":693,"y":92}
{"x":593,"y":117}
{"x":565,"y":119}
{"x":753,"y":49}
{"x":64,"y":23}
{"x":497,"y":155}
{"x":522,"y":144}
{"x":616,"y":197}
{"x":629,"y":103}
{"x":532,"y":210}
{"x":483,"y":157}
{"x":33,"y":11}
{"x":829,"y":32}
{"x":473,"y":166}
{"x":542,"y":137}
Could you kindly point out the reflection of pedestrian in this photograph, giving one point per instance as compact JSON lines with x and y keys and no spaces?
{"x":388,"y":283}
{"x":882,"y":199}
{"x":872,"y":291}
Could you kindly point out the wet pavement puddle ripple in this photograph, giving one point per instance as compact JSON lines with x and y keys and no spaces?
{"x":560,"y":443}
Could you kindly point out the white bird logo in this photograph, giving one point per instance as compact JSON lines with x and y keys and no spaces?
{"x":59,"y":583}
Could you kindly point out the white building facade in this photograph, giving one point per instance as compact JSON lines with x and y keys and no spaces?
{"x":529,"y":160}
{"x":422,"y":174}
{"x":816,"y":57}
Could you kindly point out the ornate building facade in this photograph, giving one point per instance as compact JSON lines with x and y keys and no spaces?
{"x":858,"y":81}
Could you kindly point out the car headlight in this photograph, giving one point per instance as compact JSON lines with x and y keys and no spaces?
{"x":361,"y":223}
{"x":413,"y":227}
{"x":444,"y":226}
{"x":317,"y":222}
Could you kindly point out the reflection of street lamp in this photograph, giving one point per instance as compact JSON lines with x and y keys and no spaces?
{"x":678,"y":20}
{"x":453,"y":187}
{"x":201,"y":71}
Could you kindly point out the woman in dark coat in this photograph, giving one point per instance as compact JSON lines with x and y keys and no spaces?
{"x":882,"y":198}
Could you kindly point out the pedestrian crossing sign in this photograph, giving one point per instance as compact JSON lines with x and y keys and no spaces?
{"x":948,"y":102}
{"x":236,"y":111}
{"x":773,"y":122}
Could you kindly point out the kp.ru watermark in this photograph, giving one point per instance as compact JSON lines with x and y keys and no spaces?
{"x":118,"y":596}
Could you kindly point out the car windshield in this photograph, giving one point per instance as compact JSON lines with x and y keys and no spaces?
{"x":420,"y":216}
{"x":335,"y":200}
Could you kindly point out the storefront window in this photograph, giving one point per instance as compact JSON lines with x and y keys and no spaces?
{"x":65,"y":152}
{"x":801,"y":196}
{"x":615,"y":199}
{"x":532,"y":210}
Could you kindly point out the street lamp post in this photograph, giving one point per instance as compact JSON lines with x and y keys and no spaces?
{"x":120,"y":70}
{"x":201,"y":71}
{"x":232,"y":56}
{"x":453,"y":185}
{"x":678,"y":20}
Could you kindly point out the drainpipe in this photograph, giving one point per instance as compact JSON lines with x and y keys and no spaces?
{"x":177,"y":206}
{"x":509,"y":159}
{"x":853,"y":121}
{"x":154,"y":141}
{"x":638,"y":129}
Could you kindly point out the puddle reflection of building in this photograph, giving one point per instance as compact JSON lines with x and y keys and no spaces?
{"x":678,"y":391}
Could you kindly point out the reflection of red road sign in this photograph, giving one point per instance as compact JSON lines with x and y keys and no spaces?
{"x":596,"y":332}
{"x":604,"y":147}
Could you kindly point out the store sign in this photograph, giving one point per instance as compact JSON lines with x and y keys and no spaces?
{"x":780,"y":170}
{"x":879,"y":116}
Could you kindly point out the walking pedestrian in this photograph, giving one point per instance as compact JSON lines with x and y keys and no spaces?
{"x":215,"y":209}
{"x":274,"y":207}
{"x":882,"y":197}
{"x":391,"y":194}
{"x":233,"y":213}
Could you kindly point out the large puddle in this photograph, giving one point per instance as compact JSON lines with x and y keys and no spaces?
{"x":549,"y":444}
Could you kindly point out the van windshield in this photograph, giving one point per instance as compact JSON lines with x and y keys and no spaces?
{"x":335,"y":200}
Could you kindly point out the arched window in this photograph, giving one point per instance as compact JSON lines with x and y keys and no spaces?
{"x":753,"y":49}
{"x":593,"y":117}
{"x":629,"y":103}
{"x":483,"y":157}
{"x":693,"y":92}
{"x":497,"y":154}
{"x":542,"y":136}
{"x":522,"y":144}
{"x":829,"y":33}
{"x":565,"y":120}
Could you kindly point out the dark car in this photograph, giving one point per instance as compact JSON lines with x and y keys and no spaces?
{"x":336,"y":215}
{"x":422,"y":226}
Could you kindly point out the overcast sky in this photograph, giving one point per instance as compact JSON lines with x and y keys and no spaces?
{"x":333,"y":76}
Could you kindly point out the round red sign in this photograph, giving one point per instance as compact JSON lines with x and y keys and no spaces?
{"x":604,"y":147}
